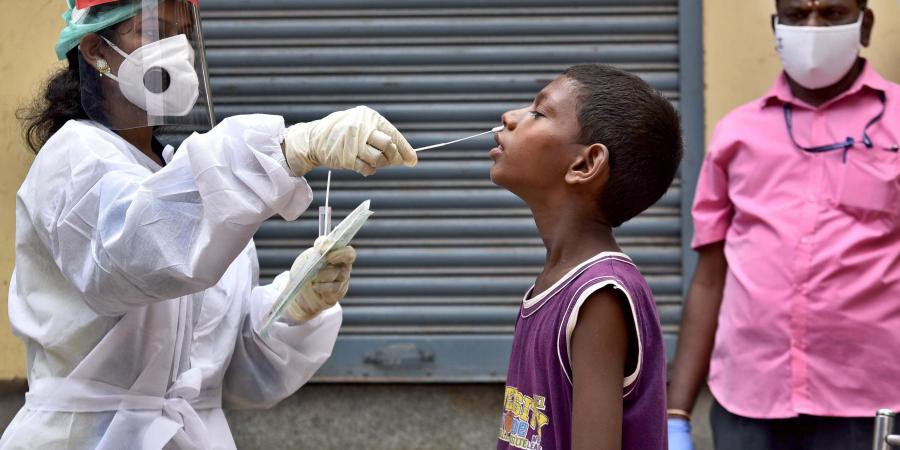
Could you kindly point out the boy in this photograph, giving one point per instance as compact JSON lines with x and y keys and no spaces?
{"x":595,"y":148}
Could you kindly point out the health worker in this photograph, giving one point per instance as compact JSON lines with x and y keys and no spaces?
{"x":136,"y":288}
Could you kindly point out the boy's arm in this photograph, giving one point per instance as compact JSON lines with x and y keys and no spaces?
{"x":599,"y":349}
{"x":698,"y":327}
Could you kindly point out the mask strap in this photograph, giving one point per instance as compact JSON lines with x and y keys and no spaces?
{"x":119,"y":51}
{"x":114,"y":47}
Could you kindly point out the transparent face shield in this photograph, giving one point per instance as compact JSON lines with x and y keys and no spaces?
{"x":148,"y":70}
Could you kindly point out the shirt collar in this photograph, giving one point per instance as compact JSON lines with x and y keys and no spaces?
{"x":781,"y":91}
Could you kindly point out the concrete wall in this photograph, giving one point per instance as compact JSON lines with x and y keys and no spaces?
{"x":28,"y":32}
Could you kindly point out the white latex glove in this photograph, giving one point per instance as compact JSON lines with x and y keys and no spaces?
{"x":358,"y":139}
{"x":680,"y":434}
{"x":329,"y":286}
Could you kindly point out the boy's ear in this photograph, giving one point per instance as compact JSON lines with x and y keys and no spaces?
{"x":592,"y":164}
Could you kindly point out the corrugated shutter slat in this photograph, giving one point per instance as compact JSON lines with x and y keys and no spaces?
{"x":446,"y":258}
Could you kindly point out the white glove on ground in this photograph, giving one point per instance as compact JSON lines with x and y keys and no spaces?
{"x":329,"y":286}
{"x":358,"y":139}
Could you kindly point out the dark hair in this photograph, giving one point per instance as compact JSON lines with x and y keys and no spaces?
{"x":62,"y":100}
{"x":641,"y":130}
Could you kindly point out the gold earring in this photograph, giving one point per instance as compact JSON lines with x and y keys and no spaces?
{"x":103,"y":67}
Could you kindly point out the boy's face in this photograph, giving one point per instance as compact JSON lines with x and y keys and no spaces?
{"x":535,"y":146}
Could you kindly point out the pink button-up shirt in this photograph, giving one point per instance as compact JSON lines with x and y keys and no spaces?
{"x":810,"y":318}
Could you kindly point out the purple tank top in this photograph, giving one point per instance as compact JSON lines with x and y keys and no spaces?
{"x":537,"y":406}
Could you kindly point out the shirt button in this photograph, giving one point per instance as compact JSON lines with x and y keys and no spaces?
{"x":804,"y":239}
{"x":811,"y":198}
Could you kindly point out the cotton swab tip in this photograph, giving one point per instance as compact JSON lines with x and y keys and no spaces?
{"x":492,"y":130}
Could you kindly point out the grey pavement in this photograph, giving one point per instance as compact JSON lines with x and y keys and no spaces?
{"x":378,"y":417}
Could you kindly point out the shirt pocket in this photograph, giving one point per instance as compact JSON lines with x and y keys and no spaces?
{"x":869,"y":186}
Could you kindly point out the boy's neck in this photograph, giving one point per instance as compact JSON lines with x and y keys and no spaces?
{"x":571,"y":235}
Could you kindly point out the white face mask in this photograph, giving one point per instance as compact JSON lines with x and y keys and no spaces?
{"x":160,"y":77}
{"x":816,"y":57}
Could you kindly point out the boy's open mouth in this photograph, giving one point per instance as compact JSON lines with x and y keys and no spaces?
{"x":498,"y":149}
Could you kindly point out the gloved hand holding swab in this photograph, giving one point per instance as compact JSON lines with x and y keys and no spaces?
{"x":496,"y":129}
{"x":312,"y":261}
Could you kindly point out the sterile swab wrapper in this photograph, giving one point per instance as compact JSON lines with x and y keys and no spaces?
{"x":492,"y":130}
{"x":342,"y":234}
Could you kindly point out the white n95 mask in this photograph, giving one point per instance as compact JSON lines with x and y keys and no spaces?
{"x":159,"y":77}
{"x":816,"y":57}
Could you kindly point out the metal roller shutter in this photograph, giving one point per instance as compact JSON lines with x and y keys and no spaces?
{"x":444,"y":262}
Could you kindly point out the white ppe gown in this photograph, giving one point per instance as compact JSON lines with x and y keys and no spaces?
{"x":136,"y":289}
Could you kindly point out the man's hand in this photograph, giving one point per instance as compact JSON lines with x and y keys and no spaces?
{"x":698,"y":331}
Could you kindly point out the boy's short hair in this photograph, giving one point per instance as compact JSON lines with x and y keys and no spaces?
{"x":641,"y":130}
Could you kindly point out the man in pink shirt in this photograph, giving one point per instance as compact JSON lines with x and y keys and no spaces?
{"x":794,"y":310}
